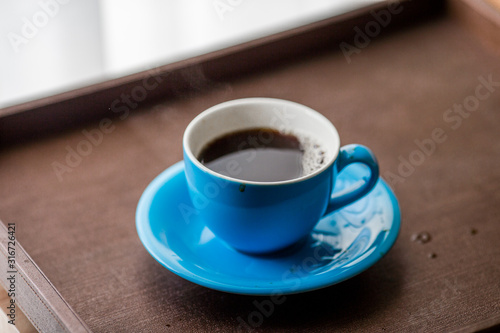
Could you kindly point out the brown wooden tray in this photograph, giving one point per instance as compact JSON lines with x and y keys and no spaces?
{"x":79,"y":225}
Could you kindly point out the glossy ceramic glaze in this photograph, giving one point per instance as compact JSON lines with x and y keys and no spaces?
{"x":263,"y":217}
{"x":342,"y":245}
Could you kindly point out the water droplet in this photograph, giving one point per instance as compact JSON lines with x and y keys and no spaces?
{"x":422,"y":237}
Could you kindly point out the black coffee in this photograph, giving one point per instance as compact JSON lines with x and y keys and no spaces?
{"x":259,"y":154}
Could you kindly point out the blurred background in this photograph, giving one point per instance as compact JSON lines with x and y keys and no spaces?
{"x":51,"y":46}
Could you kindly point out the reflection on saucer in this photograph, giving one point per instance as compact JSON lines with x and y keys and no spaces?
{"x":342,"y":245}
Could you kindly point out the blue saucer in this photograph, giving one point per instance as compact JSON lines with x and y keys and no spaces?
{"x":341,"y":246}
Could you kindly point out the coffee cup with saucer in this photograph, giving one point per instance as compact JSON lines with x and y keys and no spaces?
{"x":254,"y":237}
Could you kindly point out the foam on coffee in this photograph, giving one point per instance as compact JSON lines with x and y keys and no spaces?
{"x":313,"y":154}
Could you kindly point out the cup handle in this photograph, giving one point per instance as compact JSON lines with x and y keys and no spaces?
{"x":348,"y":154}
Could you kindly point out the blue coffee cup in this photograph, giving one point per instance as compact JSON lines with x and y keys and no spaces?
{"x":262,"y":217}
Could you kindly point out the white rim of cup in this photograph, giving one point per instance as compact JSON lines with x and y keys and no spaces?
{"x":255,"y":100}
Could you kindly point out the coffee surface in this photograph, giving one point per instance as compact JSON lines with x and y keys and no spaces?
{"x":258,"y":154}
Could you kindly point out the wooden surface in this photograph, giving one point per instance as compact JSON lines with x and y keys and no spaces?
{"x":482,"y":17}
{"x":80,"y":229}
{"x":37,"y":305}
{"x":494,"y":3}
